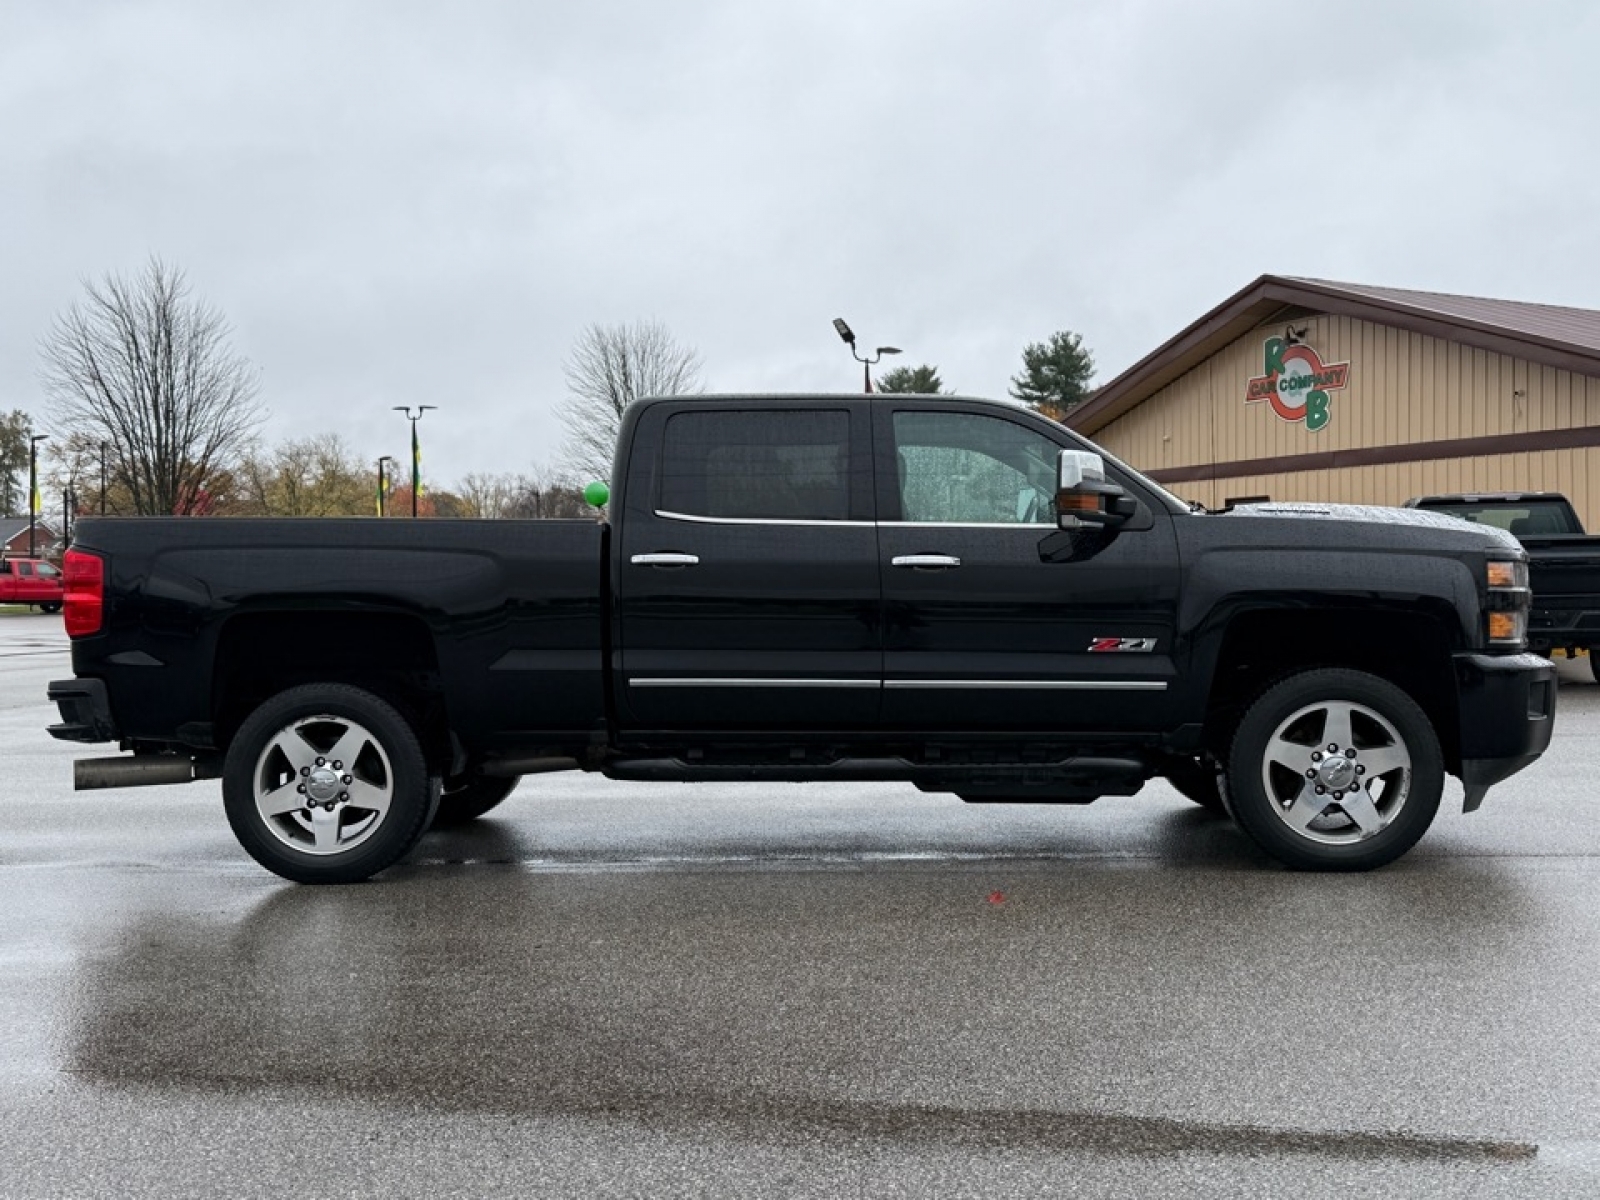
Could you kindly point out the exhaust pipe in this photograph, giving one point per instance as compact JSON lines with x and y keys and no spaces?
{"x":140,"y":770}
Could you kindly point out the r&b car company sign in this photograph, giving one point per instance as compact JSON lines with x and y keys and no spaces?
{"x":1297,"y":383}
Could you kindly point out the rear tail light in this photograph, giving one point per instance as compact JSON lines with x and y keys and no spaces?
{"x":84,"y":576}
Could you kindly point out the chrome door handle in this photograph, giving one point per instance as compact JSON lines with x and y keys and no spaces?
{"x":937,"y":562}
{"x":665,"y":560}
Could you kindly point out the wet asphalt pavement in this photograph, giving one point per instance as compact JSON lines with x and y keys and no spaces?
{"x":842,"y":990}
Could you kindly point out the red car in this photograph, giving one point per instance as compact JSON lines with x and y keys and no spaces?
{"x":30,"y":581}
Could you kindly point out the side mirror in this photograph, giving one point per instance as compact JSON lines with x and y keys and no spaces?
{"x":1085,"y":499}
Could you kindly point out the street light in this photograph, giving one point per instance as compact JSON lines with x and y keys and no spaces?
{"x":849,"y":338}
{"x":33,"y":484}
{"x":383,"y":491}
{"x":102,"y":479}
{"x":416,"y":451}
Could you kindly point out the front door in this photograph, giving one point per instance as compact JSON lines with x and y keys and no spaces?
{"x":982,"y":632}
{"x":748,"y":572}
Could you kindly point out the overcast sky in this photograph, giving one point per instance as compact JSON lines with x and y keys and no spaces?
{"x":409,"y":203}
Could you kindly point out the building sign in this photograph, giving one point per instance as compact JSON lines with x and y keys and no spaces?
{"x":1297,"y":382}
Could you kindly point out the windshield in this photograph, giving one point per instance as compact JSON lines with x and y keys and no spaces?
{"x":1520,"y":518}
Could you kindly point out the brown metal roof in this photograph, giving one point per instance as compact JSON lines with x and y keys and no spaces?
{"x":1566,"y":338}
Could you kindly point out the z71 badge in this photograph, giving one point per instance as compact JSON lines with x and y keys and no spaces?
{"x":1122,"y":645}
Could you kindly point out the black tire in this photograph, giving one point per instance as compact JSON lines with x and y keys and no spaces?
{"x":282,"y":763}
{"x":53,"y":606}
{"x":469,"y":797}
{"x":1282,"y":752}
{"x":1197,"y":779}
{"x":1594,"y":662}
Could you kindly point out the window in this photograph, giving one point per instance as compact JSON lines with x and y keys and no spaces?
{"x":24,"y":568}
{"x":1526,"y":518}
{"x":46,"y":571}
{"x":771,"y":465}
{"x":966,"y":469}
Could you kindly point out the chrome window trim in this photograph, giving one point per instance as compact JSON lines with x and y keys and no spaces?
{"x":667,"y":515}
{"x":962,"y":525}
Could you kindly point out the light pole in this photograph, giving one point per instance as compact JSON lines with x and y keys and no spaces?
{"x":416,"y":451}
{"x":102,"y":479}
{"x":849,"y":338}
{"x":383,"y":491}
{"x":33,"y":484}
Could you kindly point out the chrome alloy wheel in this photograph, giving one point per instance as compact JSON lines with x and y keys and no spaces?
{"x":323,"y":785}
{"x":1336,"y":772}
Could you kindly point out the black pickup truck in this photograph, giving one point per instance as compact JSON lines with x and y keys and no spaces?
{"x":952,"y":592}
{"x":1563,"y":563}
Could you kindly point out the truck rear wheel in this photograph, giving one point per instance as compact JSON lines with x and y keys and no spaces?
{"x":326,"y":783}
{"x":1335,"y":770}
{"x":469,"y":797}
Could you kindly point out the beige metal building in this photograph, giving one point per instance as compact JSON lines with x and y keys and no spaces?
{"x":1302,"y":389}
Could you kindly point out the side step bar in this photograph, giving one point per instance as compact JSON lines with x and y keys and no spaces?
{"x":1068,"y":777}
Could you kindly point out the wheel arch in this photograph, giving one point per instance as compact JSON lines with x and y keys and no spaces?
{"x":1409,"y":646}
{"x":390,"y":654}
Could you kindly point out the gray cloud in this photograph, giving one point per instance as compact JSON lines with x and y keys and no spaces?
{"x":421,"y":203}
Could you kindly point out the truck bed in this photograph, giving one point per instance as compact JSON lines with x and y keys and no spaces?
{"x":509,"y":615}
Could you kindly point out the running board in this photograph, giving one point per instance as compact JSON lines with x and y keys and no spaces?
{"x":1067,"y":779}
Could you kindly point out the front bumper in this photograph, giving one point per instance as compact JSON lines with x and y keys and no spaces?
{"x":1508,"y":710}
{"x":85,"y":711}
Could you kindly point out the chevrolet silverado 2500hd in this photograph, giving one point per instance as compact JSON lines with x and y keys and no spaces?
{"x":956,"y":593}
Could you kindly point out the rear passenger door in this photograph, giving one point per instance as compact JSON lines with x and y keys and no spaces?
{"x":748,"y":583}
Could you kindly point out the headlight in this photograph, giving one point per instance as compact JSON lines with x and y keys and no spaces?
{"x":1508,"y":601}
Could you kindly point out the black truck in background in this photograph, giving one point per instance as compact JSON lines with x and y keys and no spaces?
{"x":1563,"y":563}
{"x":956,"y":593}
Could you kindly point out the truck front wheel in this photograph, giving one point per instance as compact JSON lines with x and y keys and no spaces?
{"x":326,"y":783}
{"x":1335,"y":770}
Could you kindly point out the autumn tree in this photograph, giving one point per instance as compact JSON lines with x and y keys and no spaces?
{"x":142,"y":367}
{"x":922,"y":381}
{"x":608,"y":368}
{"x":315,"y":476}
{"x":1055,"y":374}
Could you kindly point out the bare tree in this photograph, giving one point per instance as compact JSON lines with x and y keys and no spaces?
{"x":141,"y":367}
{"x":545,"y":493}
{"x":489,"y":496}
{"x":610,"y":367}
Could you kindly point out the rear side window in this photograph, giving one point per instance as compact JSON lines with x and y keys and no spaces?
{"x":780,"y":464}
